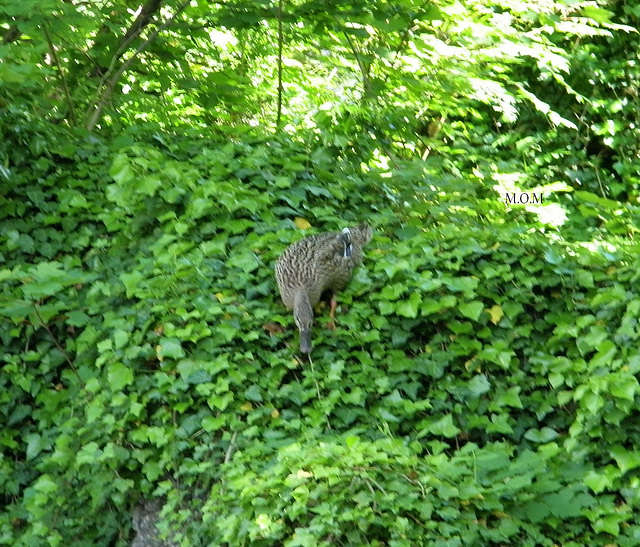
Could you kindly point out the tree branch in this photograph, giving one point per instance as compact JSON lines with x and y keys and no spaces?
{"x":98,"y":107}
{"x":134,"y":31}
{"x":366,"y":85}
{"x":63,"y":81}
{"x":144,"y":18}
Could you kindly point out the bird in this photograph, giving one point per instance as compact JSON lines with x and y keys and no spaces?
{"x":315,"y":265}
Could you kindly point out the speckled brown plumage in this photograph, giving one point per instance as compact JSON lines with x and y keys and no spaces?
{"x":316,"y":264}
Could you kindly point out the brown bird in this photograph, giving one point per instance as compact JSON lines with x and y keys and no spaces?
{"x":314,"y":265}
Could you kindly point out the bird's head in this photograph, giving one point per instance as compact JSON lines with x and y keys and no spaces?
{"x":362,"y":234}
{"x":303,"y":316}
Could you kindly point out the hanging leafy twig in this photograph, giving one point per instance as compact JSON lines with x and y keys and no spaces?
{"x":366,"y":85}
{"x":404,"y":38}
{"x":63,"y":80}
{"x":95,"y":111}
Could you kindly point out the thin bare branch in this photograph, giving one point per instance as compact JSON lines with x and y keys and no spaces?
{"x":55,"y":341}
{"x":280,"y":89}
{"x":366,"y":85}
{"x":232,"y":447}
{"x":11,"y":35}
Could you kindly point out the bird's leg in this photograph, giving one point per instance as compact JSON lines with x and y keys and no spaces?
{"x":332,"y":313}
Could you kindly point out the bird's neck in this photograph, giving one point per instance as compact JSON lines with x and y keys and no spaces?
{"x":301,"y":301}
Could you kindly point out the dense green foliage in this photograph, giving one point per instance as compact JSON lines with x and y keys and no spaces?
{"x":481,"y":387}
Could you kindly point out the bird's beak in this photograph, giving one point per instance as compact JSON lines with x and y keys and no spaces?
{"x":305,"y":341}
{"x":348,"y":246}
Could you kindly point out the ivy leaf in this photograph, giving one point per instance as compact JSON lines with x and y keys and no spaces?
{"x":77,"y":318}
{"x":119,"y":376}
{"x":444,"y":427}
{"x":461,"y":284}
{"x":536,"y":511}
{"x":598,"y":482}
{"x":510,"y":398}
{"x":409,"y":308}
{"x":170,"y":347}
{"x":131,"y":282}
{"x":45,"y":484}
{"x":592,"y":340}
{"x":541,"y":436}
{"x":609,"y":524}
{"x":479,"y":385}
{"x":471,"y":310}
{"x":624,"y":387}
{"x":585,"y":279}
{"x":35,"y":444}
{"x":120,"y":338}
{"x":387,"y":416}
{"x":220,"y":402}
{"x":121,"y":170}
{"x":247,"y":262}
{"x":149,"y":184}
{"x":626,"y":459}
{"x":386,"y":308}
{"x":198,"y":377}
{"x":252,"y":393}
{"x":604,"y":357}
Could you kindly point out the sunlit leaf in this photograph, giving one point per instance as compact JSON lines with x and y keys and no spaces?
{"x":301,"y":223}
{"x":496,"y":314}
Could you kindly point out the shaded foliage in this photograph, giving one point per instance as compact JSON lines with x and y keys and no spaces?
{"x":474,"y":359}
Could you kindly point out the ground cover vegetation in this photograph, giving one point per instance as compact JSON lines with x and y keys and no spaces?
{"x":481,"y":385}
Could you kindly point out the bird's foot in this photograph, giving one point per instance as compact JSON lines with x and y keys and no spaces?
{"x":332,"y":314}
